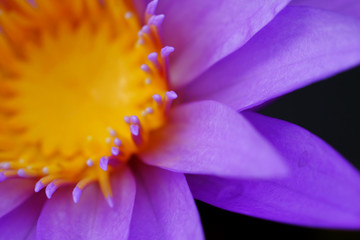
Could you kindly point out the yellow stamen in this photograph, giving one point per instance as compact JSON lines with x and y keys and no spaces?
{"x":77,"y":81}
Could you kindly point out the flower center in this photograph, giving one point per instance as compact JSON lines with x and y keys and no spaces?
{"x":82,"y":84}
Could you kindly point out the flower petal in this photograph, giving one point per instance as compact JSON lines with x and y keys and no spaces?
{"x":91,"y":218}
{"x":19,"y":224}
{"x":346,"y":7}
{"x":322,"y":189}
{"x":139,"y":6}
{"x":17,"y":191}
{"x":164,"y":207}
{"x":210,"y":138}
{"x":196,"y":29}
{"x":299,"y":47}
{"x":32,"y":234}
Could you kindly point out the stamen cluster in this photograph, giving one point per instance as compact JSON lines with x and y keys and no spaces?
{"x":82,"y":85}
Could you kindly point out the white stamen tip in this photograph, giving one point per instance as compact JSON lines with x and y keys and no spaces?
{"x":148,"y":81}
{"x":89,"y":162}
{"x":5,"y":165}
{"x":117,"y":142}
{"x":145,"y":68}
{"x":149,"y":110}
{"x":45,"y":170}
{"x":128,"y":15}
{"x":111,"y":131}
{"x":110,"y":201}
{"x":127,"y":119}
{"x":21,"y":173}
{"x":104,"y":163}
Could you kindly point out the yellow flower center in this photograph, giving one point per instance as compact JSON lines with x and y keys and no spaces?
{"x":82,"y":84}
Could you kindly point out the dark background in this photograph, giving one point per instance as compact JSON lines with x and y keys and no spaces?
{"x":330,"y":109}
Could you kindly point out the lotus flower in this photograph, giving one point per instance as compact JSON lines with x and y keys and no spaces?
{"x":87,"y":115}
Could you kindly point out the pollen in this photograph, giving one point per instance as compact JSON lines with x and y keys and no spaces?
{"x":82,"y":85}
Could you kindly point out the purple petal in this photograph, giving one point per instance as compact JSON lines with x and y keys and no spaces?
{"x":140,"y":6}
{"x":32,"y":234}
{"x":203,"y":32}
{"x":91,"y":217}
{"x":299,"y":47}
{"x":20,"y":223}
{"x":164,"y":207}
{"x":210,"y":138}
{"x":346,"y":7}
{"x":13,"y":193}
{"x":322,"y":189}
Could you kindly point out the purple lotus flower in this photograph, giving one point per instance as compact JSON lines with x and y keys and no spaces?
{"x":139,"y":181}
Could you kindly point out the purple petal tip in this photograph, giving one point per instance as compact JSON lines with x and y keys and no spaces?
{"x":134,"y":129}
{"x":156,"y":20}
{"x":115,"y":151}
{"x":149,"y":110}
{"x":2,"y":176}
{"x":117,"y":142}
{"x":5,"y":165}
{"x":153,"y":57}
{"x":165,"y":51}
{"x":76,"y":194}
{"x":157,"y":98}
{"x":145,"y":68}
{"x":112,"y":132}
{"x":171,"y":95}
{"x":134,"y":119}
{"x":110,"y":201}
{"x":38,"y":186}
{"x":127,"y":119}
{"x":104,"y":163}
{"x":21,"y":173}
{"x":50,"y":189}
{"x":90,"y":162}
{"x":151,"y":7}
{"x":144,"y":30}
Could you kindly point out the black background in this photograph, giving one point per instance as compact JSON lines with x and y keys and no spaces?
{"x":331,"y":110}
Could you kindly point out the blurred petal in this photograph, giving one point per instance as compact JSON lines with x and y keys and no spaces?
{"x":299,"y":47}
{"x":322,"y":189}
{"x":32,"y":234}
{"x":91,"y":218}
{"x":210,"y":138}
{"x":196,"y":28}
{"x":17,"y":191}
{"x":164,"y":207}
{"x":19,"y":224}
{"x":345,"y":7}
{"x":139,"y":6}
